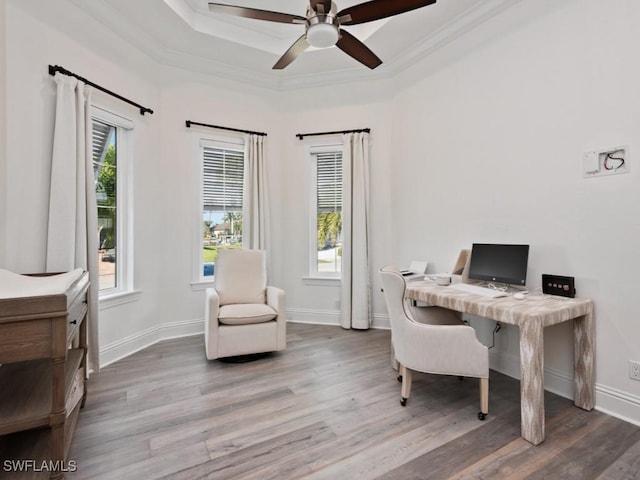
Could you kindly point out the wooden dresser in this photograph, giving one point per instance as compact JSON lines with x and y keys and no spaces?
{"x":43,"y":345}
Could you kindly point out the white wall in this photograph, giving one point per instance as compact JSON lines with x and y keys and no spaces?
{"x":165,"y":303}
{"x":320,"y":110}
{"x":32,"y":45}
{"x":482,"y":141}
{"x":493,"y":143}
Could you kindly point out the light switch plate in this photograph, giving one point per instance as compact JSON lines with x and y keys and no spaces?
{"x":590,"y":164}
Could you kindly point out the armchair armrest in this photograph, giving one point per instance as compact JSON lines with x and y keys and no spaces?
{"x":211,"y":310}
{"x":276,"y":300}
{"x":212,"y":305}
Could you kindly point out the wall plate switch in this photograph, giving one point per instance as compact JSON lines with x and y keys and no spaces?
{"x":590,"y":164}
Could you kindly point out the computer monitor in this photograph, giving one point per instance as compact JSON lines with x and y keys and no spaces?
{"x":499,"y":263}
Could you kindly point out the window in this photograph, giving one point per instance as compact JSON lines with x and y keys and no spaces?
{"x":110,"y":161}
{"x":221,"y":203}
{"x":326,"y":215}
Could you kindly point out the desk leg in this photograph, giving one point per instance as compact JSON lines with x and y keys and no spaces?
{"x":532,"y":381}
{"x":584,"y":358}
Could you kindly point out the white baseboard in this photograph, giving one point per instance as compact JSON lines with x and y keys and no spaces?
{"x":313,"y":317}
{"x":555,"y":381}
{"x":608,"y":400}
{"x":380,"y":321}
{"x":331,"y":317}
{"x":618,"y":404}
{"x":136,"y":342}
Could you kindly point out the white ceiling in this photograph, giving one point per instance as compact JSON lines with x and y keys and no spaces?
{"x":185,"y":34}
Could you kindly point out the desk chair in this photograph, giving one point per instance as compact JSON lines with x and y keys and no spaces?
{"x":439,"y":344}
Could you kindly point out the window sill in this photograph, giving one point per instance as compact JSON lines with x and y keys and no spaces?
{"x":200,"y":285}
{"x":324,"y":281}
{"x":117,"y":299}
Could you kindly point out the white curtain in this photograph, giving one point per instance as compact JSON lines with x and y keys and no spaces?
{"x":355,"y":310}
{"x":72,"y":238}
{"x":255,"y":214}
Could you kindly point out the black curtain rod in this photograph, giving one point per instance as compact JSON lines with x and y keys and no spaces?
{"x":302,"y":135}
{"x":53,"y":69}
{"x":188,"y":123}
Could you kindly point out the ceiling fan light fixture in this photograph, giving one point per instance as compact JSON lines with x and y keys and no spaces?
{"x":322,"y":35}
{"x":323,"y":24}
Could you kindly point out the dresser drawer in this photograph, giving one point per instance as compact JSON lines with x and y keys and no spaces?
{"x":77,"y":312}
{"x":26,"y":340}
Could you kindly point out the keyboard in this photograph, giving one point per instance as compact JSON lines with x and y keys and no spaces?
{"x":483,"y":291}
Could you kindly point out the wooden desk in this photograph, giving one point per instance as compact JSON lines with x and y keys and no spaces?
{"x":531,"y":316}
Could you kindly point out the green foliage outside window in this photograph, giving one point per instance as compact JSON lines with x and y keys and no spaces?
{"x":329,"y":229}
{"x":106,"y":197}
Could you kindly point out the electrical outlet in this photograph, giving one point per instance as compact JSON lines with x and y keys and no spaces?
{"x":338,"y":305}
{"x":634,"y":370}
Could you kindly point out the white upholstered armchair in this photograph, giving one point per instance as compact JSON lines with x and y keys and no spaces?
{"x":242,"y":314}
{"x":440,"y":345}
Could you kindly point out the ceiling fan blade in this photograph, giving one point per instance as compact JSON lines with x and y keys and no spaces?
{"x":358,"y":50}
{"x":325,"y":5}
{"x":377,"y":9}
{"x":290,"y":55}
{"x":256,"y":13}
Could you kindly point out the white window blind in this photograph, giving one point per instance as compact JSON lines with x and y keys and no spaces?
{"x":329,"y":181}
{"x":223,"y":177}
{"x":100,"y":134}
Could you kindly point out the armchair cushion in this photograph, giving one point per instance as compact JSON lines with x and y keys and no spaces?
{"x":245,"y":313}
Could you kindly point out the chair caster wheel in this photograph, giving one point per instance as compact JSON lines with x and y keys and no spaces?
{"x":403,"y":401}
{"x":482,"y":416}
{"x":399,"y":378}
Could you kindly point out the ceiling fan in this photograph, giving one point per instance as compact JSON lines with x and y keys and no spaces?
{"x":323,"y":25}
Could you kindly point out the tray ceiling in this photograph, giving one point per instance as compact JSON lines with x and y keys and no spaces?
{"x":185,"y":34}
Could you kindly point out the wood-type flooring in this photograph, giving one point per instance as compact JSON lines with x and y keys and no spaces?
{"x":326,"y":408}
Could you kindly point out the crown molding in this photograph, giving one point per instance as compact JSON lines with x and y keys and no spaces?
{"x":456,"y":28}
{"x":282,"y":80}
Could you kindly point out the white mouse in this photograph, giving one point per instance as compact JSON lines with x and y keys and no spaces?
{"x":519,"y":296}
